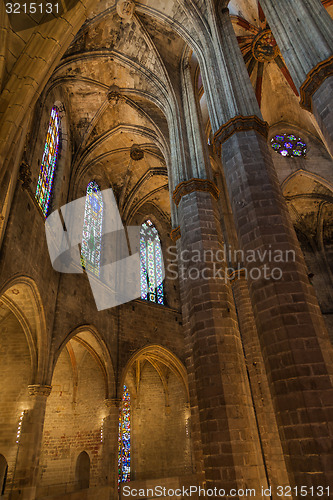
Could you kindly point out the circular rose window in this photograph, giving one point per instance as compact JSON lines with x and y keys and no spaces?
{"x":289,"y":145}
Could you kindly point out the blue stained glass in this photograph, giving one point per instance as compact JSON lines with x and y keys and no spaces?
{"x":49,"y":161}
{"x":92,"y":229}
{"x":124,"y":439}
{"x":151,"y":264}
{"x":288,"y":146}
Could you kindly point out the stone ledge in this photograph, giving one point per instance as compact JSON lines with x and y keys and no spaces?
{"x":313,"y":81}
{"x":193,"y":185}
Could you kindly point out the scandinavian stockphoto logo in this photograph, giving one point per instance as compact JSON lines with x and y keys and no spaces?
{"x":118,"y":278}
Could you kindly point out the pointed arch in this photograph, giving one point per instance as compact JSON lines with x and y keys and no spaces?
{"x":157,"y":354}
{"x":314,"y":177}
{"x":22,"y":297}
{"x":90,"y":338}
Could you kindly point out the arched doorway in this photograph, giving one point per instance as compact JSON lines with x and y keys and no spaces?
{"x":3,"y":474}
{"x":82,"y":471}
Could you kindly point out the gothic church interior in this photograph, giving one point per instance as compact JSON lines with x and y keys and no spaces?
{"x":212,"y":123}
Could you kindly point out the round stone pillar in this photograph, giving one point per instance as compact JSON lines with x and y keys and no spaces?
{"x":29,"y":444}
{"x":294,"y":342}
{"x":231,"y":451}
{"x":303,"y":30}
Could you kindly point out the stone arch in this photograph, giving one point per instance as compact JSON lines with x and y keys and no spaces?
{"x":24,"y":353}
{"x":315,"y":177}
{"x":157,"y":382}
{"x":163,"y":355}
{"x":3,"y":474}
{"x":21,"y":295}
{"x":90,"y":338}
{"x":81,"y":377}
{"x":82,"y":470}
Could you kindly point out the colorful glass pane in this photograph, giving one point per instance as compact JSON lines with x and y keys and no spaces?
{"x":151,"y":264}
{"x":49,"y":160}
{"x":289,"y":145}
{"x":124,"y":439}
{"x":92,"y":229}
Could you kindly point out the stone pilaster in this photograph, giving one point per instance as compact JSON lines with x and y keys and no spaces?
{"x":29,"y":444}
{"x":217,"y":368}
{"x":304,"y":33}
{"x":110,"y":444}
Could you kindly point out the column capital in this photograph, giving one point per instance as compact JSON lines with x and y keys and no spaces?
{"x":39,"y":390}
{"x":112,"y":402}
{"x":193,"y":185}
{"x":239,"y":124}
{"x":175,"y":234}
{"x":314,"y":80}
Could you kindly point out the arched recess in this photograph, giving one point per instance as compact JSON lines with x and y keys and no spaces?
{"x":92,"y":340}
{"x":21,"y":296}
{"x":82,"y":471}
{"x":23,"y":352}
{"x":157,"y":383}
{"x":82,"y":378}
{"x":3,"y":474}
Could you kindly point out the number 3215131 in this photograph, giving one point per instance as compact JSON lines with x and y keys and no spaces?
{"x":32,"y":8}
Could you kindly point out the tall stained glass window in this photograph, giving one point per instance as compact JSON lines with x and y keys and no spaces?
{"x":124,"y":439}
{"x":151,"y":264}
{"x":289,"y":145}
{"x":49,"y":161}
{"x":92,"y":229}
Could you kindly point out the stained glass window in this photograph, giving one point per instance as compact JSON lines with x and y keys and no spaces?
{"x":92,"y":229}
{"x":49,"y":161}
{"x":289,"y":145}
{"x":124,"y":439}
{"x":151,"y":264}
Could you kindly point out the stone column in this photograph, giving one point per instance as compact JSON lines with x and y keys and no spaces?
{"x":303,"y":30}
{"x":270,"y":442}
{"x":231,"y":450}
{"x":110,"y":445}
{"x":266,"y":419}
{"x":293,"y":338}
{"x":29,"y":445}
